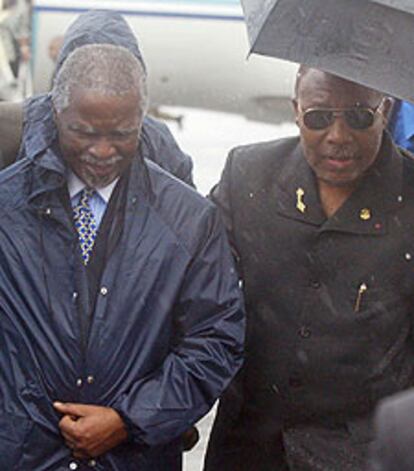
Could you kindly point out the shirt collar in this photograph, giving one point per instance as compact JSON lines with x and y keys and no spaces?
{"x":76,"y":185}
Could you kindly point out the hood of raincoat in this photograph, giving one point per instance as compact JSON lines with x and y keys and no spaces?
{"x":99,"y":27}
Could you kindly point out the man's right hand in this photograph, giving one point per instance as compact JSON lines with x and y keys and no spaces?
{"x":90,"y":431}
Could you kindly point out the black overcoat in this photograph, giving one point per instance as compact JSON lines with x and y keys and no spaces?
{"x":329,"y":305}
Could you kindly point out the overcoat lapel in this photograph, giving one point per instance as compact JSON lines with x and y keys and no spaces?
{"x":379,"y":192}
{"x":295,"y":191}
{"x":296,"y":196}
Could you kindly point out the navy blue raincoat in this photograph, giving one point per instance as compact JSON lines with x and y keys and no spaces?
{"x":162,"y":342}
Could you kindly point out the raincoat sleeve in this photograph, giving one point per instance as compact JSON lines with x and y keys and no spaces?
{"x":207,"y":353}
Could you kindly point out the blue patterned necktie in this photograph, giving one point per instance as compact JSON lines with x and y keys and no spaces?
{"x":85,"y":224}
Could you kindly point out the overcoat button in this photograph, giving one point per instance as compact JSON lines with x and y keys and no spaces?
{"x":79,"y":382}
{"x":91,"y":463}
{"x":73,"y":465}
{"x":315,"y":284}
{"x":365,"y":214}
{"x":90,"y":379}
{"x":104,"y":290}
{"x":304,"y":332}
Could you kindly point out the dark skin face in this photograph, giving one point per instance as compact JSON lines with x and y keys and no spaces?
{"x":339,"y":155}
{"x":98,"y":135}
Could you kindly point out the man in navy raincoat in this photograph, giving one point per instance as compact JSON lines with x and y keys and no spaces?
{"x":121,"y":319}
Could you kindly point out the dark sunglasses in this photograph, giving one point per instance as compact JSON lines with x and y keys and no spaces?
{"x":358,"y":117}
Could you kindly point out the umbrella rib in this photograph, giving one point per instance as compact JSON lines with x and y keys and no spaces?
{"x":271,"y":11}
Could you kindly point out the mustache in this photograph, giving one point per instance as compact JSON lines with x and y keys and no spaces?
{"x":342,"y":153}
{"x":90,"y":159}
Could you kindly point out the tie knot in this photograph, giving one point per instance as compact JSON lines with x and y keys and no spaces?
{"x":89,"y":191}
{"x":86,"y":194}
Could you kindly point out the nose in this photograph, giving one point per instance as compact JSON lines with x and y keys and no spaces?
{"x":339,"y":132}
{"x":102,"y":148}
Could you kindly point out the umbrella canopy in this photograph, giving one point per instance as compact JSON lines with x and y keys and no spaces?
{"x":367,"y":41}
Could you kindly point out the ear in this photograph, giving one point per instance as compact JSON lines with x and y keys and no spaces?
{"x":54,"y":112}
{"x":387,"y":106}
{"x":296,"y":109}
{"x":56,"y":119}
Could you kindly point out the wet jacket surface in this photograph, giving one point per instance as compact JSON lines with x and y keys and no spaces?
{"x":329,"y":303}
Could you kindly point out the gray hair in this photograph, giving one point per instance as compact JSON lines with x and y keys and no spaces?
{"x":104,"y":68}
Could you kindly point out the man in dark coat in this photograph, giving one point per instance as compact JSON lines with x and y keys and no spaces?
{"x":38,"y":130}
{"x":323,"y":230}
{"x":121,"y":316}
{"x":394,"y":425}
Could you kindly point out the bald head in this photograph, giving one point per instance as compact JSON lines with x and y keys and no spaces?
{"x":305,"y":72}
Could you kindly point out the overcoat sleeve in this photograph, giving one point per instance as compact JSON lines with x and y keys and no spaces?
{"x":233,"y":399}
{"x":207,"y":353}
{"x":221,"y":195}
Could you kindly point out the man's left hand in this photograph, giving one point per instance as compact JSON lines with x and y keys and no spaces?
{"x":90,"y":431}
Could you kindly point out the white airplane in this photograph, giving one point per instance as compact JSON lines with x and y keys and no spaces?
{"x":195,"y":51}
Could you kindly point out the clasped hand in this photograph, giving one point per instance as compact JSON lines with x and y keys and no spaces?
{"x":90,"y":431}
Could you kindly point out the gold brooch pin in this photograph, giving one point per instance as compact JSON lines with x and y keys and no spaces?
{"x":300,"y":205}
{"x":365,"y":214}
{"x":363,"y":288}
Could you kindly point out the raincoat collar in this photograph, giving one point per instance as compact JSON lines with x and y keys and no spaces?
{"x":39,"y":117}
{"x":49,"y":174}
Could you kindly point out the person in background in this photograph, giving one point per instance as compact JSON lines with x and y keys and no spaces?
{"x":14,"y":48}
{"x":323,"y":231}
{"x":394,"y":440}
{"x":55,"y":45}
{"x":401,"y":125}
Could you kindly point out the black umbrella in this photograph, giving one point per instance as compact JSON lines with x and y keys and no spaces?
{"x":368,"y":41}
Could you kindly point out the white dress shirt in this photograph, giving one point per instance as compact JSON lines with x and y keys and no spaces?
{"x":98,"y":202}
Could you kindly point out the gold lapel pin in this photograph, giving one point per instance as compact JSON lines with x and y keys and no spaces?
{"x":365,"y":214}
{"x":300,"y":205}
